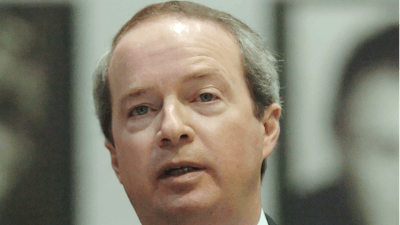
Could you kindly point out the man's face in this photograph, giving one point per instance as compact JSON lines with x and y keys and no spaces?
{"x":186,"y":138}
{"x":373,"y":145}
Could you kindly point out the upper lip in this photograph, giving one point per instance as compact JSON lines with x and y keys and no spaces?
{"x":171,"y":165}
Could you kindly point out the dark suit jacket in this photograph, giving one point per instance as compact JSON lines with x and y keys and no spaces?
{"x":270,"y":221}
{"x":330,"y":206}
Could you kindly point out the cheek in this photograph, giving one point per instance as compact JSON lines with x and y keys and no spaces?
{"x":134,"y":154}
{"x":234,"y":141}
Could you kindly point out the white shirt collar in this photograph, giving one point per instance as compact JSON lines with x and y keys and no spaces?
{"x":263,"y":219}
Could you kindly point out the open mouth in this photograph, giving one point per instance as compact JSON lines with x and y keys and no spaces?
{"x":177,"y":171}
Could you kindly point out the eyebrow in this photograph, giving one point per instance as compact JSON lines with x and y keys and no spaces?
{"x":134,"y":93}
{"x":202,"y":74}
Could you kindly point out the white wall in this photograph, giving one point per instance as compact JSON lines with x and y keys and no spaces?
{"x":99,"y":197}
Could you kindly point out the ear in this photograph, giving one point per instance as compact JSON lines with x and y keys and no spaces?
{"x":272,"y":129}
{"x":114,"y":159}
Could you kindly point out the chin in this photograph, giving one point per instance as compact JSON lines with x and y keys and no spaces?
{"x":195,"y":202}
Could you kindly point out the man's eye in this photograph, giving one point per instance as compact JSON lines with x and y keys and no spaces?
{"x":206,"y":97}
{"x":140,"y":110}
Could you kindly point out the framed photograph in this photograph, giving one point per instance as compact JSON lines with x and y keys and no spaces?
{"x":322,"y":44}
{"x":35,"y":114}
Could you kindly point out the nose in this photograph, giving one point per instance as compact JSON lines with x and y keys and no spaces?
{"x":174,"y":129}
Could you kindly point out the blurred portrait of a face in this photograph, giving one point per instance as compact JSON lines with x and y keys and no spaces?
{"x":342,"y":154}
{"x":368,"y":128}
{"x":23,"y":95}
{"x":372,"y":151}
{"x":33,"y":169}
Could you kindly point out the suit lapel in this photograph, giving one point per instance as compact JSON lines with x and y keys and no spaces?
{"x":270,"y":221}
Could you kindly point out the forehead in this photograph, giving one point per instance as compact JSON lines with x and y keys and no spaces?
{"x":180,"y":24}
{"x":170,"y":44}
{"x":174,"y":31}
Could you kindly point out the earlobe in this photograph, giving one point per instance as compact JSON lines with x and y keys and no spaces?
{"x":271,"y":128}
{"x":114,"y":159}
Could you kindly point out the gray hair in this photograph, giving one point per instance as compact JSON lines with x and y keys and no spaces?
{"x":259,"y":64}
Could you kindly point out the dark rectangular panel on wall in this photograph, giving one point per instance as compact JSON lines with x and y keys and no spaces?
{"x":35,"y":114}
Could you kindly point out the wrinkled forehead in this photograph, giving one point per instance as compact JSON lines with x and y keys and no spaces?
{"x":143,"y":28}
{"x":174,"y":32}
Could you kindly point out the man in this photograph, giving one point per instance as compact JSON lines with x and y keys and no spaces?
{"x":188,"y":99}
{"x":367,"y":126}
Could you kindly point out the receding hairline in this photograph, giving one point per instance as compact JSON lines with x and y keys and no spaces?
{"x":178,"y":17}
{"x":155,"y":18}
{"x":164,"y":15}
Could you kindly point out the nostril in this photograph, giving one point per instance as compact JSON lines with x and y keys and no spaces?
{"x":165,"y":142}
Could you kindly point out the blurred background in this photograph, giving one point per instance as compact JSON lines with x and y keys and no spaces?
{"x":338,"y":157}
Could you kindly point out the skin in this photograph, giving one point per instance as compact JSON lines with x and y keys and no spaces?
{"x":189,"y":77}
{"x":373,"y":153}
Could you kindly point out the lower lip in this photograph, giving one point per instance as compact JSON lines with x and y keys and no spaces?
{"x":186,"y":178}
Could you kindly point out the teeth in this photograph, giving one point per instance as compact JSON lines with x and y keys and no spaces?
{"x":178,"y":171}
